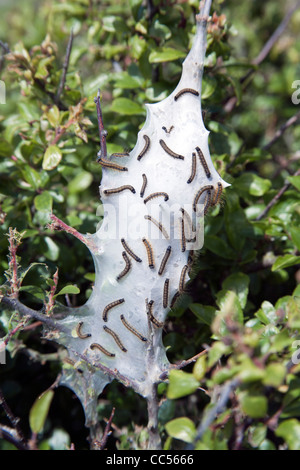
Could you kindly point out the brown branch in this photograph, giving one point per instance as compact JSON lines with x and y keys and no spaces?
{"x":12,"y":418}
{"x":107,"y":432}
{"x":182,"y":364}
{"x":65,"y":68}
{"x":275,"y":198}
{"x":58,"y":224}
{"x":282,"y":129}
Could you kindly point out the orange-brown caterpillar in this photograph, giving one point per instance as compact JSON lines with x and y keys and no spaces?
{"x":102,"y":349}
{"x":109,"y":306}
{"x":149,"y":253}
{"x":169,"y":151}
{"x":115,"y":337}
{"x":186,"y":90}
{"x":133,"y":330}
{"x":79,"y":332}
{"x":159,"y":225}
{"x":164,"y":260}
{"x":146,"y":147}
{"x":143,"y":188}
{"x":127,"y":266}
{"x":182,"y":240}
{"x":120,"y":154}
{"x":217,"y":194}
{"x":166,"y":293}
{"x":111,"y":165}
{"x":193,"y":173}
{"x":119,"y":189}
{"x":149,"y":306}
{"x":199,"y":193}
{"x":189,"y":221}
{"x":203,"y":162}
{"x":129,"y":251}
{"x":182,"y":279}
{"x":153,"y":195}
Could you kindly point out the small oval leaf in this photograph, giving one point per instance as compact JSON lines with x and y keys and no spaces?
{"x":39,"y":411}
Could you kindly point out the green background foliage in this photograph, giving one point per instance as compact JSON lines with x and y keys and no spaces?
{"x":243,"y":302}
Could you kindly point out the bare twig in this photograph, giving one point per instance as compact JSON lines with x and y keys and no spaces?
{"x":282,"y":129}
{"x":58,"y":224}
{"x":10,"y":435}
{"x":12,"y":418}
{"x":107,"y":431}
{"x":182,"y":364}
{"x":102,"y":131}
{"x":65,"y":68}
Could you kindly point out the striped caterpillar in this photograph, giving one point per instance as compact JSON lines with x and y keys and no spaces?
{"x":186,"y":90}
{"x":217,"y":195}
{"x":203,"y":162}
{"x":102,"y":349}
{"x":111,"y":165}
{"x":146,"y":147}
{"x":159,"y":225}
{"x":110,"y":306}
{"x":199,"y":193}
{"x":143,"y":188}
{"x":166,"y":293}
{"x":164,"y":260}
{"x":129,"y":251}
{"x":115,"y":337}
{"x":149,"y":253}
{"x":193,"y":173}
{"x":169,"y":151}
{"x":149,"y":306}
{"x":182,"y":279}
{"x":127,"y":266}
{"x":153,"y":195}
{"x":79,"y":332}
{"x":133,"y":330}
{"x":119,"y":189}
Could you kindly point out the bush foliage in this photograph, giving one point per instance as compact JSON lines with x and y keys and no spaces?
{"x":243,"y":303}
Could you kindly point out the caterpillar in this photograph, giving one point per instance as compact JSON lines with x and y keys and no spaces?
{"x":164,"y":260}
{"x":102,"y":349}
{"x":169,"y":151}
{"x":109,"y":306}
{"x":166,"y":293}
{"x":129,"y":251}
{"x":193,"y":172}
{"x":199,"y":193}
{"x":127,"y":266}
{"x":166,"y":130}
{"x":153,"y":195}
{"x":207,"y":202}
{"x":182,"y":279}
{"x":203,"y":162}
{"x":133,"y":330}
{"x":159,"y":225}
{"x":119,"y":189}
{"x":111,"y":165}
{"x":182,"y":240}
{"x":146,"y":147}
{"x":143,"y":188}
{"x":149,"y":253}
{"x":217,"y":194}
{"x":120,"y":154}
{"x":189,"y":221}
{"x":174,"y":299}
{"x":79,"y":332}
{"x":186,"y":90}
{"x":152,"y":318}
{"x":115,"y":337}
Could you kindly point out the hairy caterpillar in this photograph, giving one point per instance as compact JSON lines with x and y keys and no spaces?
{"x":164,"y":260}
{"x":102,"y":349}
{"x":217,"y":194}
{"x":127,"y":266}
{"x":166,"y":293}
{"x":186,"y":90}
{"x":79,"y":332}
{"x":169,"y":151}
{"x":115,"y":337}
{"x":119,"y":189}
{"x":109,"y":306}
{"x":159,"y":225}
{"x":203,"y":162}
{"x":146,"y":147}
{"x":143,"y":188}
{"x":120,"y":154}
{"x":149,"y":253}
{"x":166,"y":130}
{"x":111,"y":165}
{"x":149,"y":306}
{"x":193,"y":173}
{"x":153,"y":195}
{"x":129,"y":251}
{"x":199,"y":193}
{"x":133,"y":330}
{"x":182,"y":279}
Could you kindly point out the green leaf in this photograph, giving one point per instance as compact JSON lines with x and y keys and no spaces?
{"x":208,"y":87}
{"x":204,"y":313}
{"x":70,"y":289}
{"x":295,"y":234}
{"x":295,"y":181}
{"x":285,"y":261}
{"x":182,"y":429}
{"x":81,"y":182}
{"x":53,"y":116}
{"x":43,"y":202}
{"x":274,"y":374}
{"x":289,"y":430}
{"x":255,"y":406}
{"x":238,"y":283}
{"x":181,"y":384}
{"x":252,"y":184}
{"x":165,"y":54}
{"x":52,"y":157}
{"x":199,"y":368}
{"x":126,"y":107}
{"x":218,"y":246}
{"x":52,"y":251}
{"x":31,"y":176}
{"x":39,"y":411}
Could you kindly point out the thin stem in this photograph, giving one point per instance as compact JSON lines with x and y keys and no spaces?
{"x":65,"y":68}
{"x":154,"y":442}
{"x":58,"y":224}
{"x":102,"y":131}
{"x":282,"y":129}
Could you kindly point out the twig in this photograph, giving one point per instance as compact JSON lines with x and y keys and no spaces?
{"x":10,"y":435}
{"x":282,"y":129}
{"x":107,"y":431}
{"x":211,"y":415}
{"x":102,"y":131}
{"x":65,"y":68}
{"x":275,"y":198}
{"x":58,"y":224}
{"x":13,"y":420}
{"x":182,"y":364}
